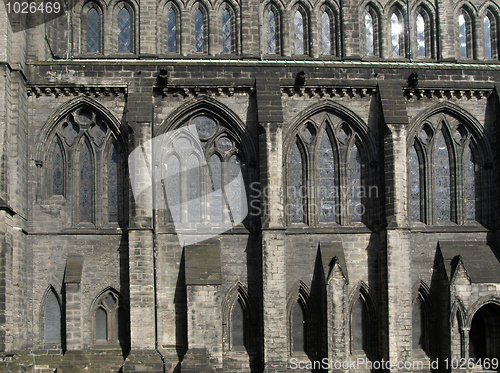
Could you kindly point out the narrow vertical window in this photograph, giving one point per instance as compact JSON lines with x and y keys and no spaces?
{"x":173,"y":188}
{"x":442,"y":180}
{"x":216,"y":198}
{"x":421,"y":42}
{"x":86,"y":187}
{"x":487,"y":37}
{"x":296,"y":188}
{"x":51,"y":319}
{"x":369,"y":36}
{"x":194,"y":188}
{"x":327,"y":192}
{"x":238,"y":326}
{"x":171,"y":31}
{"x":396,"y":32}
{"x":414,"y":185}
{"x":226,"y":31}
{"x":358,"y":326}
{"x":298,"y":24}
{"x":463,"y":35}
{"x":199,"y":31}
{"x":298,"y":328}
{"x":271,"y":32}
{"x":418,"y":326}
{"x":113,"y":185}
{"x":357,"y":208}
{"x":58,"y":175}
{"x":93,"y":31}
{"x":234,"y":189}
{"x":326,"y":36}
{"x":101,"y":325}
{"x":124,"y":31}
{"x":469,"y":186}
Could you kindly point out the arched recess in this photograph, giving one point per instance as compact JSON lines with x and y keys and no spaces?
{"x":329,"y":23}
{"x":241,"y":334}
{"x":344,"y":134}
{"x":92,"y":26}
{"x":125,"y":30}
{"x":466,"y":32}
{"x":363,"y":322}
{"x":170,"y":26}
{"x":110,"y":316}
{"x":273,"y":30}
{"x":469,"y":153}
{"x":51,"y":325}
{"x":398,"y":30}
{"x":303,"y":317}
{"x":483,"y":321}
{"x":229,"y":25}
{"x":81,"y":119}
{"x":424,"y":29}
{"x":422,"y":320}
{"x":370,"y":19}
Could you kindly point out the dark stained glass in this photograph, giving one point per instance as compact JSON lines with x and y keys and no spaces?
{"x":226,"y":31}
{"x":238,"y":326}
{"x":216,"y":200}
{"x":86,"y":189}
{"x":442,"y":179}
{"x":171,"y":31}
{"x":113,"y":185}
{"x":93,"y":31}
{"x":326,"y":33}
{"x":357,"y":208}
{"x":327,"y":193}
{"x":469,"y":186}
{"x":58,"y":175}
{"x":199,"y":31}
{"x":298,"y":23}
{"x":296,"y":189}
{"x":298,"y":328}
{"x":194,"y":189}
{"x":101,"y":325}
{"x":414,"y":185}
{"x":124,"y":31}
{"x":52,"y":319}
{"x":271,"y":32}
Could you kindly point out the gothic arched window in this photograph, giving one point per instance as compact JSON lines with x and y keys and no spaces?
{"x":227,"y":31}
{"x":51,"y":318}
{"x":465,"y":34}
{"x":296,"y":188}
{"x":414,"y":185}
{"x":58,"y":171}
{"x":329,"y":44}
{"x":238,"y":326}
{"x":359,"y":327}
{"x":86,"y":185}
{"x":300,"y":31}
{"x":109,"y":319}
{"x":372,"y":32}
{"x":172,"y":27}
{"x":490,"y":28}
{"x":124,"y":31}
{"x":272,"y":20}
{"x":93,"y":31}
{"x":199,"y":31}
{"x":398,"y":46}
{"x":298,"y":328}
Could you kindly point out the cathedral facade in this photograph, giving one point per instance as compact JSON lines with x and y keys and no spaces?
{"x":249,"y":186}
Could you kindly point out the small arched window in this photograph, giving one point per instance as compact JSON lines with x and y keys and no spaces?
{"x":465,"y":34}
{"x":421,"y":39}
{"x":298,"y":328}
{"x":490,"y":26}
{"x":227,"y":31}
{"x":171,"y":30}
{"x":124,"y":31}
{"x":359,"y":327}
{"x":109,"y":319}
{"x":414,"y":185}
{"x":51,"y":319}
{"x":299,"y":33}
{"x":199,"y":31}
{"x":397,"y":33}
{"x":326,"y":33}
{"x":372,"y":33}
{"x":93,"y":31}
{"x":418,"y":326}
{"x":272,"y":30}
{"x":238,"y":327}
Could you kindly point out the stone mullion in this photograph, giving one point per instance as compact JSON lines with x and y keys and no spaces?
{"x":214,"y":42}
{"x":186,"y":31}
{"x":313,"y":35}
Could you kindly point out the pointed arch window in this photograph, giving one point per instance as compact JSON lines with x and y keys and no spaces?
{"x":199,"y":31}
{"x":490,"y":28}
{"x":418,"y":326}
{"x":421,"y":39}
{"x":194,"y":188}
{"x":328,"y":33}
{"x":327,"y":195}
{"x":124,"y":31}
{"x":58,"y":171}
{"x":172,"y":30}
{"x":359,"y":327}
{"x":300,"y":32}
{"x":414,"y":185}
{"x":51,"y":319}
{"x":465,"y":34}
{"x":372,"y":34}
{"x":113,"y":187}
{"x":227,"y":31}
{"x":298,"y":328}
{"x":93,"y":31}
{"x":357,"y":208}
{"x":238,"y":326}
{"x":296,"y":186}
{"x":397,"y":33}
{"x":442,"y":180}
{"x":109,"y":319}
{"x":469,"y":185}
{"x":272,"y":30}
